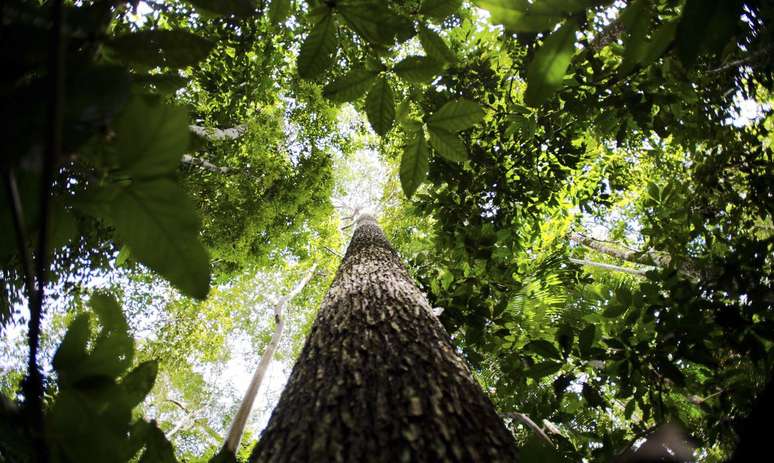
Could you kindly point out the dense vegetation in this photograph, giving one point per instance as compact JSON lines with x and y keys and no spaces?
{"x":584,"y":187}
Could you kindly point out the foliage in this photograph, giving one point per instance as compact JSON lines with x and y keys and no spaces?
{"x":534,"y":146}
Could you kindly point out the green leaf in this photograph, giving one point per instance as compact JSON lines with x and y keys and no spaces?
{"x":706,"y":25}
{"x":349,"y":87}
{"x":278,"y":11}
{"x":380,"y":106}
{"x":225,"y":7}
{"x":613,"y":310}
{"x":517,"y":17}
{"x":418,"y":69}
{"x":374,"y":22}
{"x":157,"y":448}
{"x":586,"y":339}
{"x":537,"y":450}
{"x":448,"y":144}
{"x":439,"y":9}
{"x":636,"y":20}
{"x":563,"y":6}
{"x":165,"y":84}
{"x":669,"y":370}
{"x":592,"y":396}
{"x":543,"y":348}
{"x":662,"y":39}
{"x":319,"y":49}
{"x":629,"y":409}
{"x":434,"y":46}
{"x":109,"y":312}
{"x":158,"y":221}
{"x":547,"y":69}
{"x":150,"y":138}
{"x":157,"y":47}
{"x":542,"y":369}
{"x":113,"y":349}
{"x":139,"y":382}
{"x":123,"y":255}
{"x":414,"y":164}
{"x":457,"y":115}
{"x":72,"y":351}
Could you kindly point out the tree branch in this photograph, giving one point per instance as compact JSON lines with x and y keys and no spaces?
{"x":240,"y":420}
{"x":532,"y":425}
{"x":204,"y":164}
{"x":215,"y":134}
{"x":615,"y":268}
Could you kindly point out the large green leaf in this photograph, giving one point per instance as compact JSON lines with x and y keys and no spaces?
{"x":373,"y":21}
{"x":706,"y":25}
{"x":72,"y":350}
{"x":278,"y":11}
{"x":380,"y":106}
{"x":434,"y":46}
{"x":139,"y":382}
{"x":636,"y":19}
{"x":448,"y":144}
{"x":176,"y":48}
{"x":439,"y":9}
{"x":159,"y":223}
{"x":542,"y":369}
{"x":319,"y":48}
{"x":547,"y":69}
{"x":351,"y":86}
{"x":517,"y":17}
{"x":150,"y":138}
{"x":225,"y":7}
{"x":457,"y":115}
{"x":418,"y":69}
{"x":414,"y":164}
{"x":544,"y":348}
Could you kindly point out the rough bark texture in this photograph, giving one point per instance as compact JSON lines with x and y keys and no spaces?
{"x":378,"y":379}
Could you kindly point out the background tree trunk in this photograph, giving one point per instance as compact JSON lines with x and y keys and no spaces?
{"x":240,"y":420}
{"x":378,"y":379}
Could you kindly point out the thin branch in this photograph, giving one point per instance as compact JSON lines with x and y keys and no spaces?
{"x":333,"y":252}
{"x":33,"y":385}
{"x":532,"y":425}
{"x":615,"y":268}
{"x":747,"y":59}
{"x":19,"y":227}
{"x":204,"y":164}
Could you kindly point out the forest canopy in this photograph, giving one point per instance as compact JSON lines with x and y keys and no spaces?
{"x":583,"y":190}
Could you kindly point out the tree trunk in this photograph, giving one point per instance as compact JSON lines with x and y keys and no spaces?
{"x":240,"y":420}
{"x":378,"y":379}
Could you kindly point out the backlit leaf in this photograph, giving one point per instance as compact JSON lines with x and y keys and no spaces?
{"x":418,"y":69}
{"x":351,"y":86}
{"x":414,"y":164}
{"x":457,"y":115}
{"x":318,"y":49}
{"x":448,"y":144}
{"x":547,"y":69}
{"x":159,"y":223}
{"x":380,"y":106}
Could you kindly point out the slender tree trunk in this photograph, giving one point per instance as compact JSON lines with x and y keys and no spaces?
{"x":687,"y":268}
{"x":615,"y":268}
{"x":378,"y":379}
{"x":238,"y":425}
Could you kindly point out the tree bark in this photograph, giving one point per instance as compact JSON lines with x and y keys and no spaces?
{"x":378,"y":379}
{"x":238,"y":425}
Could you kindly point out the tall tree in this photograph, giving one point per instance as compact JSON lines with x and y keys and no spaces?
{"x":378,"y":378}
